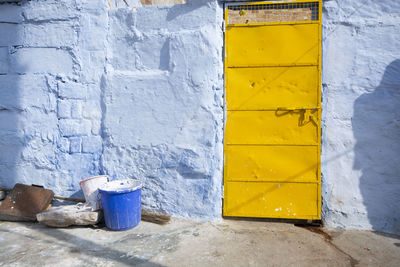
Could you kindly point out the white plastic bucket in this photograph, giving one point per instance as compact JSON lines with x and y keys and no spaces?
{"x":90,"y":188}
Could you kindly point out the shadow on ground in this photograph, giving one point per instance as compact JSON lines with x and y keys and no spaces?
{"x":78,"y":246}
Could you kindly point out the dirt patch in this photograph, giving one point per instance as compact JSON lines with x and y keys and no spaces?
{"x":317,"y":230}
{"x":328,"y":239}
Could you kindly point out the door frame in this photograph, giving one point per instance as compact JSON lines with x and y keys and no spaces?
{"x":226,"y":4}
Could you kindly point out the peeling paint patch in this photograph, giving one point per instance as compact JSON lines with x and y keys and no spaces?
{"x":162,"y":2}
{"x":138,"y":3}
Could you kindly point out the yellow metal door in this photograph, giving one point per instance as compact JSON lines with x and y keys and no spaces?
{"x":272,"y":132}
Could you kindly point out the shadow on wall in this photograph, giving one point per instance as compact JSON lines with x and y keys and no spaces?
{"x":11,"y":143}
{"x":179,"y":10}
{"x":376,"y":128}
{"x":12,"y":139}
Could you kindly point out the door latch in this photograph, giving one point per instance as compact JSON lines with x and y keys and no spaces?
{"x":307,"y":115}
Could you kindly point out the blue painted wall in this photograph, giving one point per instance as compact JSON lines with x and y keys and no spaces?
{"x":138,"y":92}
{"x":86,"y":89}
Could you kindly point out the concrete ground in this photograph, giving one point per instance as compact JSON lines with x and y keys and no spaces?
{"x":188,"y":243}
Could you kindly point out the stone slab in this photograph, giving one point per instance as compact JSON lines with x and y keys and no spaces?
{"x":65,"y":216}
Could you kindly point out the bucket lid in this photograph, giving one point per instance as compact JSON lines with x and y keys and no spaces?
{"x":121,"y":186}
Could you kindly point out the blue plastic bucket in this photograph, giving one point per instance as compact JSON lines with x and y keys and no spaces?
{"x":121,"y":201}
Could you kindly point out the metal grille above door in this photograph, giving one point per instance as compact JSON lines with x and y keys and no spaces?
{"x":272,"y":134}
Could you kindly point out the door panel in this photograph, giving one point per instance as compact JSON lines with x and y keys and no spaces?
{"x":277,"y":45}
{"x":270,"y":163}
{"x":271,"y":87}
{"x":273,"y":200}
{"x":270,"y":127}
